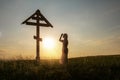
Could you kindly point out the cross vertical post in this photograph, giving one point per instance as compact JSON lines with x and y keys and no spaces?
{"x":41,"y":21}
{"x":37,"y":40}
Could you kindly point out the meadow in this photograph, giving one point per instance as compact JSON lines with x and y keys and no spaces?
{"x":81,"y":68}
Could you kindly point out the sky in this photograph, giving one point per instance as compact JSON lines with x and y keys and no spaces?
{"x":92,"y":26}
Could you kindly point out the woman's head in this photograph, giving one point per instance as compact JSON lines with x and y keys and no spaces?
{"x":65,"y":35}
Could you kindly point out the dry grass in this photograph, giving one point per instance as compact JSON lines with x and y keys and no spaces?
{"x":86,"y":68}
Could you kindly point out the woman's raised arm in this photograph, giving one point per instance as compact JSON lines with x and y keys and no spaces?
{"x":60,"y":38}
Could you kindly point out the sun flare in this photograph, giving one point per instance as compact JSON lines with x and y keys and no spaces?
{"x":48,"y":43}
{"x":50,"y":48}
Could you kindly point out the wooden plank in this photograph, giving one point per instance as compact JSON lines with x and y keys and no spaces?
{"x":40,"y":24}
{"x":28,"y":18}
{"x":45,"y":20}
{"x":35,"y":18}
{"x":37,"y":38}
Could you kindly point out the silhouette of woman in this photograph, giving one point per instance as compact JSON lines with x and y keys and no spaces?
{"x":64,"y":58}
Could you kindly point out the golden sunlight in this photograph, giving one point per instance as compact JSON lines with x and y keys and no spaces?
{"x":49,"y":43}
{"x":50,"y":48}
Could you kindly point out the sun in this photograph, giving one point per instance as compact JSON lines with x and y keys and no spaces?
{"x":48,"y":43}
{"x":50,"y":48}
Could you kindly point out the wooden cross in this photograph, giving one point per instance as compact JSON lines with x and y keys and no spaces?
{"x":39,"y":21}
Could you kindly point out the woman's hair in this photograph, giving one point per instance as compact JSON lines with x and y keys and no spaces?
{"x":65,"y":36}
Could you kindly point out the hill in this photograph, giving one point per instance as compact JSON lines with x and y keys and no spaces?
{"x":82,"y":68}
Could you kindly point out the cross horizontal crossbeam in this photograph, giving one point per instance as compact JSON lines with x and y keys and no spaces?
{"x":38,"y":24}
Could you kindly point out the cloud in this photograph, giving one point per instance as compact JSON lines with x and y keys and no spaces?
{"x":2,"y":52}
{"x":110,"y":44}
{"x":112,"y":10}
{"x":0,"y":34}
{"x":104,"y":46}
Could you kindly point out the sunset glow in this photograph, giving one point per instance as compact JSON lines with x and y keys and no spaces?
{"x":93,"y":27}
{"x":48,"y":43}
{"x":50,"y":48}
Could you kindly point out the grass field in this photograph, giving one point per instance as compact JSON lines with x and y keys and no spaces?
{"x":83,"y":68}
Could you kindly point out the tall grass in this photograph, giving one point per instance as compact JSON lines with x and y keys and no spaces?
{"x":86,"y":68}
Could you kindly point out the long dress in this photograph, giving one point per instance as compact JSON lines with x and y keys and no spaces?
{"x":64,"y":57}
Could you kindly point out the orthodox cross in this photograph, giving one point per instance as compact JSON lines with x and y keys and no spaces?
{"x":39,"y":21}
